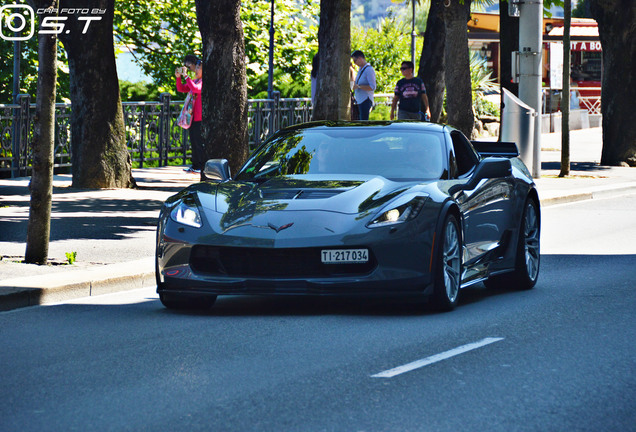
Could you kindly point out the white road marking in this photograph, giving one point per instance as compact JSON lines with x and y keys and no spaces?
{"x":436,"y":358}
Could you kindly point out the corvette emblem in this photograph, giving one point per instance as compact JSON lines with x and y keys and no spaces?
{"x":280,"y":228}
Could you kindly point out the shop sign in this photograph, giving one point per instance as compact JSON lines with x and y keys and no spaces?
{"x":585,"y":46}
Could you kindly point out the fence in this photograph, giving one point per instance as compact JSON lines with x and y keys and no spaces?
{"x":153,"y":137}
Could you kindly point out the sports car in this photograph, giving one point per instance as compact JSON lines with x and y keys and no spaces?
{"x":353,"y":208}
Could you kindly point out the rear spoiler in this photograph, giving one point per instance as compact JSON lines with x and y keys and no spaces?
{"x":496,"y":148}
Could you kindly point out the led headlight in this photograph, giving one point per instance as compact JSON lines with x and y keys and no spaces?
{"x":186,"y":213}
{"x":397,"y":213}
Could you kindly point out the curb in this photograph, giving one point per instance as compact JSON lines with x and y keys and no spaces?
{"x":592,"y":193}
{"x":28,"y":291}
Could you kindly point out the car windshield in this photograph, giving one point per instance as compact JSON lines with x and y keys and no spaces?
{"x":394,"y":154}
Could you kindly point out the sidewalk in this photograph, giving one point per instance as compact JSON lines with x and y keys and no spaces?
{"x":113,"y":231}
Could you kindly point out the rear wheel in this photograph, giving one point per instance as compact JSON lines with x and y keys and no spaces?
{"x":528,"y":256}
{"x":172,"y":301}
{"x":448,"y":266}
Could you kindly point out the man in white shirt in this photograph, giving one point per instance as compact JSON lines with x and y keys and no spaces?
{"x":364,"y":84}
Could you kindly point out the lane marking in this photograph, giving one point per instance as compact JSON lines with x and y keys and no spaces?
{"x":436,"y":358}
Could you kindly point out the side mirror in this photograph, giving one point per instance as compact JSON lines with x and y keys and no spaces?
{"x":217,"y":170}
{"x":488,"y":168}
{"x":493,"y":167}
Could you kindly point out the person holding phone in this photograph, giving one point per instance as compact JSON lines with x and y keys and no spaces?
{"x":185,"y":84}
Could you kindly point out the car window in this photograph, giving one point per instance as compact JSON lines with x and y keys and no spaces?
{"x":465,"y":156}
{"x":394,"y":154}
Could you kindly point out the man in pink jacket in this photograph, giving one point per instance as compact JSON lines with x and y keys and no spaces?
{"x":186,"y":85}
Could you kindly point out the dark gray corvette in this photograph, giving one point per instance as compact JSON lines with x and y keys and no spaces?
{"x":353,"y":208}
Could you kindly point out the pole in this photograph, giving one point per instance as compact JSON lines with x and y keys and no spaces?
{"x":413,"y":34}
{"x":16,"y":90}
{"x":270,"y":72}
{"x":530,"y":46}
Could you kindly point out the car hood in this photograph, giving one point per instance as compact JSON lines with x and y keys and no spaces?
{"x":248,"y":210}
{"x":353,"y":195}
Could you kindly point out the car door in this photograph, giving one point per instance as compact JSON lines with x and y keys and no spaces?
{"x":485,"y":209}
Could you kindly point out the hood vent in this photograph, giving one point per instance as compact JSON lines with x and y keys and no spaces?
{"x":290,"y":194}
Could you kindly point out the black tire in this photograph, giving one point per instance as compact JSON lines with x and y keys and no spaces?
{"x":174,"y":302}
{"x":448,"y":266}
{"x":528,"y":253}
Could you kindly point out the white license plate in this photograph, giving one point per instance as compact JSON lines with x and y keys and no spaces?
{"x":345,"y":256}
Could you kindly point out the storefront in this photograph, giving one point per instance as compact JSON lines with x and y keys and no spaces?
{"x":585,"y":56}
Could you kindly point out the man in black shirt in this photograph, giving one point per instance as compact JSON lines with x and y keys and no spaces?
{"x":411,"y":93}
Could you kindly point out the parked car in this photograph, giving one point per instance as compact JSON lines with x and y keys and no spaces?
{"x":342,"y":208}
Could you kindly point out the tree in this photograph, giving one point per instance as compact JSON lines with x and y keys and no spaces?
{"x":39,"y":225}
{"x":158,"y":49}
{"x":457,"y":66}
{"x":431,"y":66}
{"x":565,"y":105}
{"x":617,"y":33}
{"x":99,"y":154}
{"x":334,"y":44}
{"x":224,"y":95}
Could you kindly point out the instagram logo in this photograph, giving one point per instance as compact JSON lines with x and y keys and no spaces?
{"x":15,"y":18}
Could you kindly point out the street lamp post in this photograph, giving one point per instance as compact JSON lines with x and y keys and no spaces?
{"x":270,"y":72}
{"x":16,"y":90}
{"x":413,"y":34}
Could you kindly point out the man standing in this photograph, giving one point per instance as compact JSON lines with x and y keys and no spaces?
{"x":411,"y":93}
{"x":364,"y":84}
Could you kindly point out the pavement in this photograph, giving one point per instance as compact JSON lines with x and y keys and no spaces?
{"x":112,"y":231}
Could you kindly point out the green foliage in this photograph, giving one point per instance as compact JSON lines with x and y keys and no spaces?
{"x":295,"y":43}
{"x":29,"y":71}
{"x":380,"y":112}
{"x":385,"y":47}
{"x":484,"y":107}
{"x":582,"y":9}
{"x":71,"y":257}
{"x":160,"y":34}
{"x":481,"y":84}
{"x":139,"y":91}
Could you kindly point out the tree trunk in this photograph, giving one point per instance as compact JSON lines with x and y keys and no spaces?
{"x":41,"y":186}
{"x":459,"y":95}
{"x":224,"y":93}
{"x":431,"y":67}
{"x":98,"y":141}
{"x":565,"y":100}
{"x":617,"y":32}
{"x":334,"y":44}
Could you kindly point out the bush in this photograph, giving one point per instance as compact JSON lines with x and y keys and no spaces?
{"x":139,"y":91}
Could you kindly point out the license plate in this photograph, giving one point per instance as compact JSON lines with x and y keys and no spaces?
{"x":345,"y":256}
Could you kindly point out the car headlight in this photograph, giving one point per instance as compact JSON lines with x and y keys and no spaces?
{"x":186,"y":213}
{"x":399,"y":213}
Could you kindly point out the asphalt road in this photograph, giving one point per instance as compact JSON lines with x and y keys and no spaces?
{"x":560,"y":357}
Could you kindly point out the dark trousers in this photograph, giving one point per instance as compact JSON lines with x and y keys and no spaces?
{"x":198,"y":152}
{"x":365,"y":108}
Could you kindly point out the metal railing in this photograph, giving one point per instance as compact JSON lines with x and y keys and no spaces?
{"x":153,"y":137}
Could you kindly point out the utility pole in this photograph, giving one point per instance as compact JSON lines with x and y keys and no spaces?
{"x":530,"y":59}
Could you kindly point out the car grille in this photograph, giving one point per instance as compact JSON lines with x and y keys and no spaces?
{"x":270,"y":263}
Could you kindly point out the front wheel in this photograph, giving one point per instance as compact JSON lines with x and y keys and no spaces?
{"x":448,"y":267}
